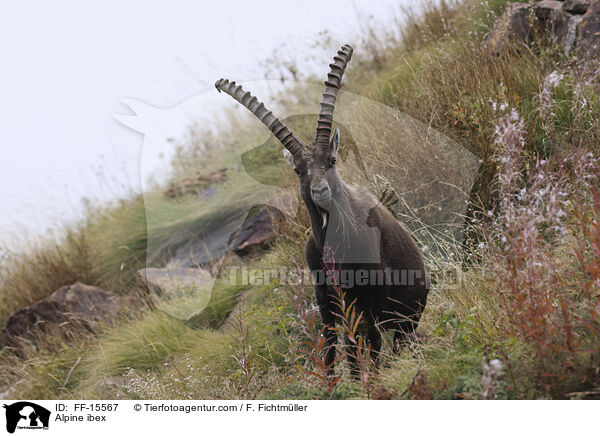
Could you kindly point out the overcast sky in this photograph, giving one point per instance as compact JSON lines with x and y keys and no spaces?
{"x":66,"y":66}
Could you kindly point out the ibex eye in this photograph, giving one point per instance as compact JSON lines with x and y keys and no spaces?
{"x":333,"y":160}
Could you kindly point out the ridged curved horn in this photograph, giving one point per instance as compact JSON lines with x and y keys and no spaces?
{"x":332,"y":85}
{"x":281,"y":132}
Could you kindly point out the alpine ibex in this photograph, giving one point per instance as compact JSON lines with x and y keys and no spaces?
{"x":373,"y":257}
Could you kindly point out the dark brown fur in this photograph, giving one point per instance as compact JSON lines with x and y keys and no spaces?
{"x":383,"y":306}
{"x":350,"y":231}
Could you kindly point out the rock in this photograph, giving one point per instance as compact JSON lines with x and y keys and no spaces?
{"x":198,"y":248}
{"x":258,"y":230}
{"x":169,"y":282}
{"x":236,"y":234}
{"x":70,"y":308}
{"x":197,"y":185}
{"x":546,"y":12}
{"x":576,"y":33}
{"x":180,"y":292}
{"x":513,"y":26}
{"x":576,"y":6}
{"x":565,"y":31}
{"x":588,"y":32}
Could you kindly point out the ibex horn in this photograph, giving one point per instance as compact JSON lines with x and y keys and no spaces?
{"x":281,"y":132}
{"x":332,"y":85}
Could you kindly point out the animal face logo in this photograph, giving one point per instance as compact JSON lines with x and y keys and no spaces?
{"x":426,"y":176}
{"x":26,"y":415}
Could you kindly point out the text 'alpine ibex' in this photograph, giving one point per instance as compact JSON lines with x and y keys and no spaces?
{"x":376,"y":262}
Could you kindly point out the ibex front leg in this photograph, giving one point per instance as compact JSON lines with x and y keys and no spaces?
{"x":326,"y":308}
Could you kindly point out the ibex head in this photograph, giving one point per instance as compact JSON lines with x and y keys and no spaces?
{"x":314,"y":163}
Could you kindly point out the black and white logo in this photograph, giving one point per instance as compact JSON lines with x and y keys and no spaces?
{"x":26,"y":415}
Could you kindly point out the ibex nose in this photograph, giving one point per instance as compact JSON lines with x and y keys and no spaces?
{"x":320,"y":190}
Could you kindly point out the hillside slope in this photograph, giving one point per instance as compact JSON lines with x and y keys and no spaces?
{"x":513,"y":313}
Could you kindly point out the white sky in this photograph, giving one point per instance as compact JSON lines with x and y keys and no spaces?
{"x":65,"y":67}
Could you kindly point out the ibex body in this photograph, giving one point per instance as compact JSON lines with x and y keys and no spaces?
{"x":356,"y":250}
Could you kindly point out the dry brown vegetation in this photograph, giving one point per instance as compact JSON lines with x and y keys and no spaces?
{"x":515,"y":314}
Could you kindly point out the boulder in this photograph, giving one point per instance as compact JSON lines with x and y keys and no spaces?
{"x":258,"y":230}
{"x":204,"y":249}
{"x":576,"y":6}
{"x":588,"y":31}
{"x":520,"y":22}
{"x":70,"y":308}
{"x":564,"y":21}
{"x":566,"y":31}
{"x":200,"y":248}
{"x":513,"y":26}
{"x":546,"y":12}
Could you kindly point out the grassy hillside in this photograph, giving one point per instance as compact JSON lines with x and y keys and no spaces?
{"x":514,"y":315}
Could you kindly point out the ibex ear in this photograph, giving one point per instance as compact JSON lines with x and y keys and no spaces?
{"x":334,"y":145}
{"x":290,"y":159}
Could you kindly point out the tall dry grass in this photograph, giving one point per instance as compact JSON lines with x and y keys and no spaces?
{"x":37,"y":270}
{"x":512,"y":315}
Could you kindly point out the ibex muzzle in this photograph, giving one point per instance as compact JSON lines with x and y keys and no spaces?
{"x":350,"y":231}
{"x":321,"y":193}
